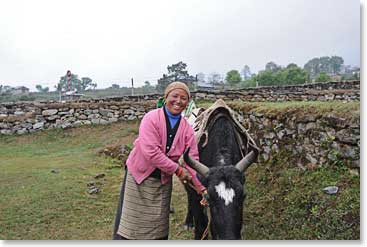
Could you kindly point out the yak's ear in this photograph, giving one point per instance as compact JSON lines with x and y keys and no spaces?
{"x":196,"y":165}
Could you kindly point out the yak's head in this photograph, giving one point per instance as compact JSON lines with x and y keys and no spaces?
{"x":225,"y":185}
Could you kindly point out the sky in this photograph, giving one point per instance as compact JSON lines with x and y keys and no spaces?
{"x":114,"y":41}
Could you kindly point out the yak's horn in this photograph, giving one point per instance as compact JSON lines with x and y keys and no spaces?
{"x":243,"y":164}
{"x":196,"y":165}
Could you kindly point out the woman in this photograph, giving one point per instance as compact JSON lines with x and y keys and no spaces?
{"x":143,"y":211}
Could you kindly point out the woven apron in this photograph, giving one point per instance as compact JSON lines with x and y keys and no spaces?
{"x":145,"y":209}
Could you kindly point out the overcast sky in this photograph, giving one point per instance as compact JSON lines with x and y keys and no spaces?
{"x":112,"y":41}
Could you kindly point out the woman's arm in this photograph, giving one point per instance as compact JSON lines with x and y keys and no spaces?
{"x":150,"y":143}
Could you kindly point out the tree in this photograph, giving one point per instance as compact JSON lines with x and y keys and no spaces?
{"x":85,"y":83}
{"x":200,"y":77}
{"x":331,"y":66}
{"x":233,"y":77}
{"x":214,"y":78}
{"x":294,"y":75}
{"x":42,"y":90}
{"x":147,"y":88}
{"x":273,"y":67}
{"x":336,"y":64}
{"x":115,"y":86}
{"x":323,"y":77}
{"x":176,"y":72}
{"x":251,"y":82}
{"x":74,"y":83}
{"x":246,"y":73}
{"x":268,"y":78}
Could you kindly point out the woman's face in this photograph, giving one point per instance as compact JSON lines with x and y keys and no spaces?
{"x":177,"y":101}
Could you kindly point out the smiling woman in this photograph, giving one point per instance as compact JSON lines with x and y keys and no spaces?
{"x":144,"y":204}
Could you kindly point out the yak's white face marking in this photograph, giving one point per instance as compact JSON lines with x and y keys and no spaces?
{"x":224,"y":193}
{"x":221,"y":160}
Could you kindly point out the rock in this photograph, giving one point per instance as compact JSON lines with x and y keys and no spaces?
{"x":129,"y":112}
{"x":95,"y":120}
{"x":354,"y":172}
{"x":347,"y":136}
{"x":310,"y":158}
{"x":269,"y":135}
{"x":38,"y":125}
{"x":104,"y":112}
{"x":301,"y":128}
{"x":100,"y":175}
{"x":91,"y":184}
{"x":65,"y":125}
{"x":112,"y":120}
{"x":83,"y":117}
{"x":102,"y":121}
{"x":310,"y":126}
{"x":22,"y":131}
{"x":6,"y":131}
{"x":330,"y":190}
{"x":131,"y":117}
{"x":49,"y":112}
{"x":19,"y":113}
{"x":348,"y":152}
{"x":94,"y":191}
{"x":53,"y":117}
{"x":334,"y":121}
{"x":55,"y":171}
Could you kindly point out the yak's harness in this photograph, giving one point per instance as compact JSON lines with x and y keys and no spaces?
{"x":205,"y":120}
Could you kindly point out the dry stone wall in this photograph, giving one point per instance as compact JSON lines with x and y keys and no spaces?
{"x":24,"y":118}
{"x":312,"y":139}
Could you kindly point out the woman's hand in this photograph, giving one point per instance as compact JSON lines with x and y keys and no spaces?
{"x":184,"y":176}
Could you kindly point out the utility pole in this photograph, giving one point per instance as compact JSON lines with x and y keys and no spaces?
{"x":132,"y":86}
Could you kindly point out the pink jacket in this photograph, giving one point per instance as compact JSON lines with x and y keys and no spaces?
{"x":149,"y":149}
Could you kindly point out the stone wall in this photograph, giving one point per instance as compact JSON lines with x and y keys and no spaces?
{"x":310,"y":139}
{"x":21,"y":118}
{"x":344,"y":91}
{"x":313,"y":139}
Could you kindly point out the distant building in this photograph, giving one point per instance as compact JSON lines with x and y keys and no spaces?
{"x":19,"y":90}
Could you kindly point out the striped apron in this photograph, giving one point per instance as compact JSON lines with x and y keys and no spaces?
{"x":145,"y":209}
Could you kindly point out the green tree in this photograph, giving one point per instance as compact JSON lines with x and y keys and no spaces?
{"x":233,"y":77}
{"x":74,"y":83}
{"x":176,"y":72}
{"x":41,"y":89}
{"x":323,"y":77}
{"x":312,"y":67}
{"x":148,"y":88}
{"x":87,"y":82}
{"x":294,"y":75}
{"x":251,"y":82}
{"x":269,"y":78}
{"x":246,"y":72}
{"x":273,"y":67}
{"x":336,"y":64}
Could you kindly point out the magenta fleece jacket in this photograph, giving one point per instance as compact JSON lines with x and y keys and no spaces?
{"x":149,"y":149}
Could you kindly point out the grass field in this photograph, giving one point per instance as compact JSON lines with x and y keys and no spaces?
{"x":282,"y":202}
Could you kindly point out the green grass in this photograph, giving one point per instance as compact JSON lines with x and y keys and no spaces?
{"x":38,"y":204}
{"x":283,"y":202}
